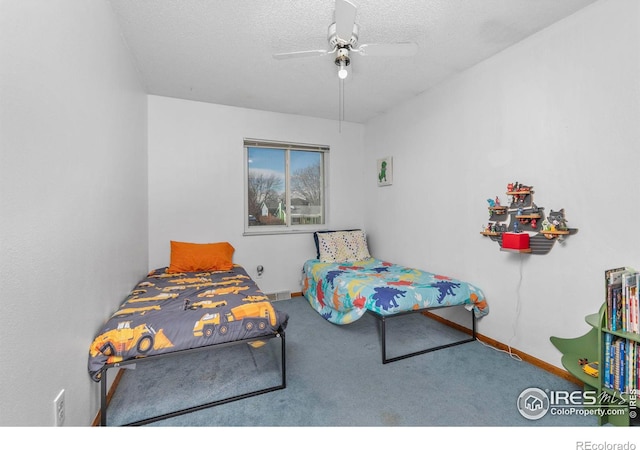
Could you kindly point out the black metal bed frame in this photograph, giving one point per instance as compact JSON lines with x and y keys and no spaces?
{"x":383,"y":319}
{"x":103,"y":380}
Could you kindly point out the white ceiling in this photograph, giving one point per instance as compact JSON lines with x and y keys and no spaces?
{"x":221,"y":51}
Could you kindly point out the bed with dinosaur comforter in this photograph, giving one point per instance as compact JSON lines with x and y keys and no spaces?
{"x":344,"y":282}
{"x":342,"y":292}
{"x":178,"y":308}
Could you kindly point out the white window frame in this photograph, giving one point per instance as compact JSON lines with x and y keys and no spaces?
{"x":287,"y":228}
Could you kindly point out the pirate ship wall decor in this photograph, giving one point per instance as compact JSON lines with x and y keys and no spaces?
{"x":522,"y":226}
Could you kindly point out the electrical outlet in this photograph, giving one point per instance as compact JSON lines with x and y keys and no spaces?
{"x":58,"y":409}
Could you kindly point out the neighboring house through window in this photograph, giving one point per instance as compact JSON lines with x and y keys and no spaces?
{"x":285,"y":186}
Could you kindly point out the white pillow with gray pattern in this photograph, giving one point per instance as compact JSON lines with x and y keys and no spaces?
{"x":343,"y":246}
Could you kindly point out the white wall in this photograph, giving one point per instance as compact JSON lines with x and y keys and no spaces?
{"x":559,"y":111}
{"x":73,"y":189}
{"x":196,"y":187}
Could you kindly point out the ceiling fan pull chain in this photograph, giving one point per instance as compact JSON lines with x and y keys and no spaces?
{"x":339,"y":105}
{"x":341,"y":87}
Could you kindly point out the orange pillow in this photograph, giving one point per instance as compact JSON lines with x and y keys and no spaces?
{"x":190,"y":257}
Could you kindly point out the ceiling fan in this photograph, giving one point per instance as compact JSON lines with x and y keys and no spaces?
{"x":343,"y":41}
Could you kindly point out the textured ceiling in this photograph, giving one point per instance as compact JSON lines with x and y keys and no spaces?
{"x":221,"y":51}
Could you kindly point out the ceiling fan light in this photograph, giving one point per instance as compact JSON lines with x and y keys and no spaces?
{"x":342,"y":72}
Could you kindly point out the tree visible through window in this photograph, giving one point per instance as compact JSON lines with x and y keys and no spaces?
{"x":285,"y":185}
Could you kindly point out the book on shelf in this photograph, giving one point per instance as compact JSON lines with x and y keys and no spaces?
{"x":617,"y":282}
{"x":623,"y":366}
{"x":616,"y":312}
{"x":628,"y":292}
{"x":613,"y":280}
{"x":635,"y":361}
{"x":624,"y":315}
{"x":614,"y":276}
{"x":616,"y":364}
{"x":606,"y":375}
{"x":635,"y":304}
{"x":615,"y":367}
{"x":632,"y":347}
{"x":637,"y":365}
{"x":612,"y":363}
{"x":609,"y":302}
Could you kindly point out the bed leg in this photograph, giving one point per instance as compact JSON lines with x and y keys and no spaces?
{"x":473,"y":325}
{"x":283,"y":349}
{"x":386,"y":360}
{"x":384,"y":340}
{"x":103,"y":399}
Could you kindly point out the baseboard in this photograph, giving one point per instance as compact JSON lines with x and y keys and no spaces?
{"x":500,"y":346}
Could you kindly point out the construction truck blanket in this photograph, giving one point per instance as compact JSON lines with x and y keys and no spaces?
{"x":342,"y":292}
{"x":168,"y":312}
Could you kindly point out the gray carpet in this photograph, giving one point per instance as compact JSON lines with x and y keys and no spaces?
{"x":335,"y":378}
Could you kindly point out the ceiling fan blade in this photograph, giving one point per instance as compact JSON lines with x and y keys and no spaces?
{"x":395,"y":49}
{"x":345,"y":19}
{"x":302,"y":54}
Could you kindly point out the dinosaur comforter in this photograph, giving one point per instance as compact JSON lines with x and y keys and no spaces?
{"x":343,"y":292}
{"x":167,"y":312}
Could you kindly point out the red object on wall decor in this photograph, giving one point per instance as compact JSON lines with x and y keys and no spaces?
{"x":515,"y":241}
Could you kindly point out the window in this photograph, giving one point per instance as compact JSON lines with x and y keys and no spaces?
{"x":285,"y":186}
